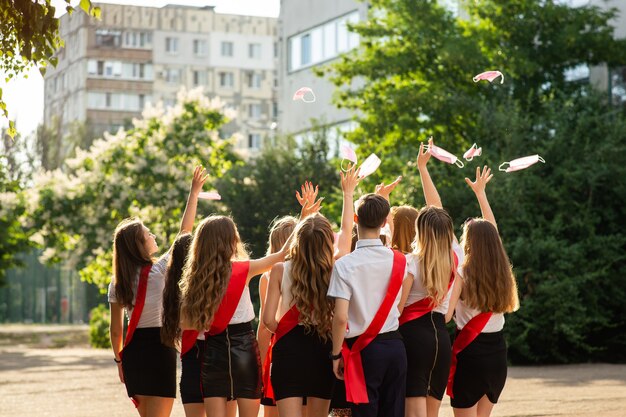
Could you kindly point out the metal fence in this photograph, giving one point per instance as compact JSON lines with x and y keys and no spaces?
{"x":38,"y":293}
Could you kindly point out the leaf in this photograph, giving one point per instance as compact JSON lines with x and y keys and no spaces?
{"x":96,"y":12}
{"x":42,"y":71}
{"x":85,"y":5}
{"x":70,"y":10}
{"x":11,"y":131}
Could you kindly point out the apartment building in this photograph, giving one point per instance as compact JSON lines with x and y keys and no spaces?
{"x":109,"y":69}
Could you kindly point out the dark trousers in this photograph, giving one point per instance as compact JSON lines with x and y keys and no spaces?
{"x":384,"y":366}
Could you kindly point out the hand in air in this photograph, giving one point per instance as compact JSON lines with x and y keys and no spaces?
{"x":482,"y":178}
{"x":350,"y":179}
{"x":384,"y":190}
{"x":424,"y":156}
{"x":199,"y":177}
{"x":307,"y":199}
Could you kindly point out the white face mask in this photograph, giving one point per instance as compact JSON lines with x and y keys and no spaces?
{"x":521,"y":163}
{"x":445,"y":156}
{"x":368,"y":166}
{"x":472,"y":152}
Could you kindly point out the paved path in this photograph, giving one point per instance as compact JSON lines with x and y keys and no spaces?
{"x":82,"y":382}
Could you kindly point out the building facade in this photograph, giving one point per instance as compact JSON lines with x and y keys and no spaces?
{"x":111,"y":68}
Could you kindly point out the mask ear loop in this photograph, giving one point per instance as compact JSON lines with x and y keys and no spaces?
{"x":311,"y":100}
{"x":459,"y":163}
{"x":474,"y":146}
{"x":342,"y":165}
{"x":541,"y":159}
{"x":503,"y":164}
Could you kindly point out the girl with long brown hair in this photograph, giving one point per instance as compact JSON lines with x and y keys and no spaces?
{"x":488,"y":290}
{"x":300,"y":365}
{"x":280,"y":231}
{"x":215,"y":296}
{"x":433,"y":266}
{"x":147,"y":366}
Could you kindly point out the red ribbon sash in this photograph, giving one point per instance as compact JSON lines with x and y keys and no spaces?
{"x":425,"y":305}
{"x":234,"y":291}
{"x":187,"y":341}
{"x":286,"y":324}
{"x":356,"y":390}
{"x":140,"y":301}
{"x":463,"y":338}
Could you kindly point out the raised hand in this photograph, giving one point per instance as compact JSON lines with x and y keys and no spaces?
{"x":308,"y":193}
{"x":482,"y":178}
{"x":199,"y":177}
{"x":349,"y":180}
{"x":311,"y":208}
{"x":384,"y":190}
{"x":424,"y":156}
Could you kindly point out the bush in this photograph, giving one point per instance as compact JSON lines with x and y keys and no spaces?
{"x":99,"y":327}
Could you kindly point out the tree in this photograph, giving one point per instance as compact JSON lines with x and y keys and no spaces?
{"x":29,"y":36}
{"x":142,"y":172}
{"x":411,"y":77}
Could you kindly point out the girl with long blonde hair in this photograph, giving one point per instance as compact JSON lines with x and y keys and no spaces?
{"x":300,"y":363}
{"x":433,"y":266}
{"x":488,"y":291}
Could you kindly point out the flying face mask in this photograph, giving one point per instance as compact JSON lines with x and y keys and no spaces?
{"x":445,"y":156}
{"x":347,"y":154}
{"x":368,"y":166}
{"x":521,"y":163}
{"x":489,"y":76}
{"x":472,"y":152}
{"x":304,"y":94}
{"x":212,"y":195}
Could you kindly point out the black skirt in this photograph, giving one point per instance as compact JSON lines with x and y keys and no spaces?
{"x":190,"y":382}
{"x":231,"y":365}
{"x":149,"y":366}
{"x":481,"y":370}
{"x":301,"y":366}
{"x":428,"y":352}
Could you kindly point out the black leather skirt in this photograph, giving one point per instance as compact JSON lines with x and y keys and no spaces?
{"x":231,"y":364}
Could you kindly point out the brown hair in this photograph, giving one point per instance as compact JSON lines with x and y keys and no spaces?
{"x":207,"y":271}
{"x":170,"y":329}
{"x":280,"y":230}
{"x":312,"y":260}
{"x":433,"y":246}
{"x":403,"y":228}
{"x":129,"y":255}
{"x":487,"y":273}
{"x":372,"y":210}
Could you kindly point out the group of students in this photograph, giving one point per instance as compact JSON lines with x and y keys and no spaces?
{"x":350,"y":323}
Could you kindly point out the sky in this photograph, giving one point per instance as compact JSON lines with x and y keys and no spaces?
{"x":24,"y":95}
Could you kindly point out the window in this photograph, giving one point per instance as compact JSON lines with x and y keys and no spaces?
{"x":142,"y":101}
{"x":171,"y":45}
{"x":116,"y":101}
{"x":227,"y":79}
{"x":199,"y":47}
{"x":227,"y":49}
{"x":254,"y":111}
{"x":254,"y":80}
{"x":172,"y":76}
{"x":92,"y":67}
{"x":137,"y":39}
{"x":254,"y":141}
{"x":100,"y":67}
{"x":254,"y":51}
{"x":274,"y":109}
{"x":108,"y":38}
{"x":200,"y":78}
{"x":275,"y":49}
{"x":322,"y":43}
{"x":108,"y":100}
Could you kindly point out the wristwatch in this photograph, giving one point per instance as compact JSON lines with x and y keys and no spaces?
{"x":335,"y":357}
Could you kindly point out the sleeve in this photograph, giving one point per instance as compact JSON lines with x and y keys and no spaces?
{"x":111,"y":293}
{"x":458,"y":250}
{"x":160,"y":266}
{"x":411,"y":266}
{"x":338,"y":288}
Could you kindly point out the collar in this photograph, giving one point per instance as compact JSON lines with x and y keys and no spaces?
{"x":366,"y":243}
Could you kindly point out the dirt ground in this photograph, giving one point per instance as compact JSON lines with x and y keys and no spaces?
{"x":50,"y":371}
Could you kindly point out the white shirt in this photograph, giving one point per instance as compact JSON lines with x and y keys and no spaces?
{"x":362,"y":277}
{"x":153,"y":307}
{"x":418,"y":291}
{"x":463,"y":314}
{"x":286,"y":298}
{"x":245,"y":310}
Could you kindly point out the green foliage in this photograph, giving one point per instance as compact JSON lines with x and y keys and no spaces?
{"x":30,"y":37}
{"x":411,"y":77}
{"x":99,"y":322}
{"x":144,"y":172}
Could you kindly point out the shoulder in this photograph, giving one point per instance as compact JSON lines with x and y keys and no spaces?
{"x":160,"y":266}
{"x":277,"y":269}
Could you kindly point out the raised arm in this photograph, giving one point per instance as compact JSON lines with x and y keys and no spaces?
{"x":430,"y":191}
{"x":199,"y":177}
{"x":384,"y":191}
{"x":349,"y":181}
{"x":479,"y":187}
{"x":273,"y":298}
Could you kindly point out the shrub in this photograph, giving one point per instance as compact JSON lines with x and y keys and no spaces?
{"x":99,"y":320}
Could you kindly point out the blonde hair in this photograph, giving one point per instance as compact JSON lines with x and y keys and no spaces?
{"x":280,"y":230}
{"x":207,"y":271}
{"x":433,"y":246}
{"x":489,"y":283}
{"x":403,"y":228}
{"x":311,"y":255}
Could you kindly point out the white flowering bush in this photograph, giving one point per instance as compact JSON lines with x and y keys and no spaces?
{"x":143,"y":172}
